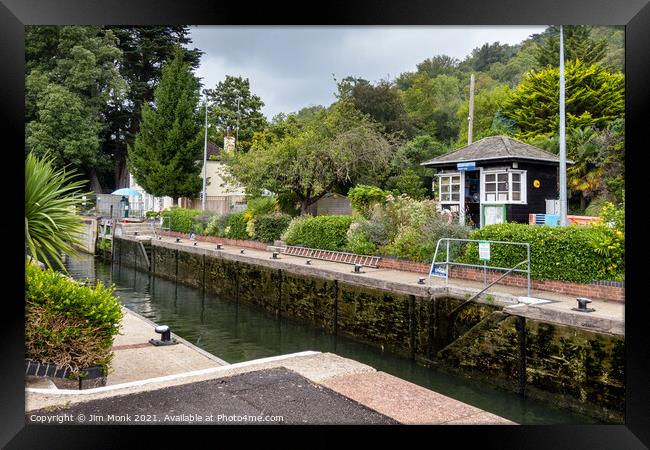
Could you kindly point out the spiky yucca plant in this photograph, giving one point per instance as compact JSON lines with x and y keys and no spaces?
{"x":51,"y":196}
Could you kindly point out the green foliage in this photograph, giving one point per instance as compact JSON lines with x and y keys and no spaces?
{"x":594,"y":97}
{"x":402,"y":227}
{"x":363,"y":198}
{"x":104,"y":245}
{"x":358,"y":243}
{"x":164,"y":158}
{"x":145,"y":50}
{"x":152,"y":214}
{"x":269,"y":227}
{"x":236,"y":226}
{"x":181,"y":219}
{"x":614,"y":215}
{"x":575,"y":253}
{"x":309,"y":158}
{"x":486,"y":107}
{"x":51,"y":196}
{"x":68,"y":323}
{"x":217,"y":226}
{"x":578,"y":45}
{"x":72,"y":73}
{"x":382,"y":102}
{"x":225,"y":114}
{"x":323,"y":232}
{"x":258,"y":206}
{"x":408,"y":183}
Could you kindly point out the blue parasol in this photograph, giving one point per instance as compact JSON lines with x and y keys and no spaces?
{"x":126,"y":191}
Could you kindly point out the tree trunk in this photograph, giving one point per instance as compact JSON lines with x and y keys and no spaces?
{"x":583,"y":203}
{"x":174,"y":201}
{"x":121,"y":173}
{"x":304,"y":206}
{"x":95,"y":185}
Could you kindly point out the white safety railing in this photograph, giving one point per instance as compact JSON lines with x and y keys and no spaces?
{"x":445,"y":273}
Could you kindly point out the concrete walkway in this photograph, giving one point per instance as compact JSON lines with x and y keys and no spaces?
{"x":608,"y":317}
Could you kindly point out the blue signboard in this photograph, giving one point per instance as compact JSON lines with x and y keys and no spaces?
{"x":466,"y":166}
{"x":439,"y":271}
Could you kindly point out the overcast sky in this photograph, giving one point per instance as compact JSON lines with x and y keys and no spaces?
{"x":292,"y":67}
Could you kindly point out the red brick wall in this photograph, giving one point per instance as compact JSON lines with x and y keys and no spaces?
{"x":468,"y":273}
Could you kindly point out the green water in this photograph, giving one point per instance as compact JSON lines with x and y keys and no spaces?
{"x":238,"y":332}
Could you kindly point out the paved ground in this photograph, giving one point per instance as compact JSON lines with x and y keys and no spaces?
{"x":271,"y":396}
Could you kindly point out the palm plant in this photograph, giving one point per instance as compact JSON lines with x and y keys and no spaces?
{"x":51,"y":196}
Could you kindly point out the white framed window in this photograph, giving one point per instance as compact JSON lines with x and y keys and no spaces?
{"x":503,"y":186}
{"x":450,"y":188}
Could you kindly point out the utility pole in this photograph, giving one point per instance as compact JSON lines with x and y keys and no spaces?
{"x":205,"y":154}
{"x":237,"y":131}
{"x":470,"y":119}
{"x":563,"y":193}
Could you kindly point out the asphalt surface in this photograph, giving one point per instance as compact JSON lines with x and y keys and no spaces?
{"x":252,"y":398}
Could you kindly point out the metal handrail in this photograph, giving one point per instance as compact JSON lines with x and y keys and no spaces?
{"x":448,"y":263}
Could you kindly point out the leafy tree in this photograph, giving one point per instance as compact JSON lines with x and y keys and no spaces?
{"x":432,"y":103}
{"x":72,"y":74}
{"x":51,"y":195}
{"x":224,"y":113}
{"x":311,"y":158}
{"x":409,"y":183}
{"x":486,"y":107}
{"x":594,"y":97}
{"x":419,"y":149}
{"x":578,"y":45}
{"x":144,"y":51}
{"x":439,"y":65}
{"x":382,"y":102}
{"x":164,"y":159}
{"x":483,"y":57}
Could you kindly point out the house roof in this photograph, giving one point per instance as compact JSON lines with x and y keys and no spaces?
{"x":494,"y":148}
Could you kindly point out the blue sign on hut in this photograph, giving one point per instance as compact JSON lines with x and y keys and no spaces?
{"x":496,"y":179}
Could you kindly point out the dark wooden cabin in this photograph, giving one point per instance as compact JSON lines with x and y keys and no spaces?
{"x":500,"y":178}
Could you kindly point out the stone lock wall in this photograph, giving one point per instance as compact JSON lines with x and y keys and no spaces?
{"x":574,"y":368}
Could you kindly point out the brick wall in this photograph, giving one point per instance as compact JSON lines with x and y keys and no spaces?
{"x":597,"y":290}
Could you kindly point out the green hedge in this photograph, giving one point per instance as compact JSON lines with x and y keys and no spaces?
{"x":236,"y":226}
{"x":269,"y":227}
{"x":323,"y":232}
{"x":181,"y":219}
{"x":575,"y":253}
{"x":68,"y":323}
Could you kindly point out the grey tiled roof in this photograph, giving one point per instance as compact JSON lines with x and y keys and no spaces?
{"x":494,"y":147}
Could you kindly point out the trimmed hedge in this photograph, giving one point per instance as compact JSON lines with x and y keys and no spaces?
{"x":67,"y":323}
{"x":269,"y":227}
{"x":236,"y":226}
{"x":181,"y":219}
{"x":575,"y":253}
{"x":322,"y":232}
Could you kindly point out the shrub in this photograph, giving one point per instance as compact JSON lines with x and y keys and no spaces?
{"x":217,"y":226}
{"x":269,"y":227}
{"x":323,"y":232}
{"x":236,"y":226}
{"x":258,"y":206}
{"x":152,"y":214}
{"x":181,"y":219}
{"x":67,"y":323}
{"x":614,"y":215}
{"x":575,"y":253}
{"x":363,"y":198}
{"x":358,"y":243}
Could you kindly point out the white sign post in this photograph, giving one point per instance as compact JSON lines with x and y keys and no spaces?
{"x":484,"y":255}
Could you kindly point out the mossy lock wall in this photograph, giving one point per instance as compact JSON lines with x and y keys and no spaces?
{"x":574,"y":368}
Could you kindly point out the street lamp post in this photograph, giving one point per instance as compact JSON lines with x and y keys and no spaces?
{"x":237,"y":130}
{"x":563,"y":192}
{"x":205,"y":153}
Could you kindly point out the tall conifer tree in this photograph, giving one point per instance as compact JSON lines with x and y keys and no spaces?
{"x":165,"y":159}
